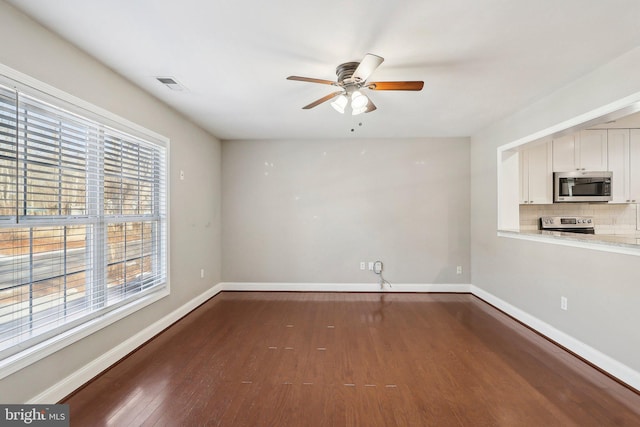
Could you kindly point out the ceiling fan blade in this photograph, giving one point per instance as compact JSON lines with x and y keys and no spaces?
{"x":411,"y":85}
{"x":311,"y":80}
{"x":370,"y":106}
{"x":323,"y":99}
{"x":367,"y":66}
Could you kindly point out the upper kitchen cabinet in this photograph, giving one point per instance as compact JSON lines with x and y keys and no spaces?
{"x":634,"y":165}
{"x":619,"y":163}
{"x":586,"y":150}
{"x":624,"y":161}
{"x":536,"y":175}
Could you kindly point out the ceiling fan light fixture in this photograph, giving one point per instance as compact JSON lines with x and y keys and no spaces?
{"x":366,"y":109}
{"x":356,"y":111}
{"x":340,"y":103}
{"x":358,"y":101}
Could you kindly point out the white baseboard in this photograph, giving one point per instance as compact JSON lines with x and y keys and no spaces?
{"x":87,"y":372}
{"x":597,"y":358}
{"x":343,"y":287}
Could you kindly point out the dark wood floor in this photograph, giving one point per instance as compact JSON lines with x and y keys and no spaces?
{"x":333,"y":359}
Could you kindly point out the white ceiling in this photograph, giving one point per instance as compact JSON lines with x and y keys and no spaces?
{"x":480,"y":59}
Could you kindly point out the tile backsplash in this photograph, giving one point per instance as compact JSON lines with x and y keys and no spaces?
{"x":608,"y":218}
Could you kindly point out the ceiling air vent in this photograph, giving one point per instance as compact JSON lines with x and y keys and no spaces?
{"x":170,"y":82}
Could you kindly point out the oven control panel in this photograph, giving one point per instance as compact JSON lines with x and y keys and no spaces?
{"x":561,"y":222}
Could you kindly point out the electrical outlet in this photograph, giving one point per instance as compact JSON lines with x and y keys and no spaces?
{"x":459,"y":269}
{"x":563,"y":303}
{"x":363,"y":265}
{"x":202,"y":273}
{"x":371,"y":265}
{"x":377,"y":267}
{"x":181,"y":175}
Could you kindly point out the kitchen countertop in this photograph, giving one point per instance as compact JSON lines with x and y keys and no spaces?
{"x":619,"y":240}
{"x":631,"y":239}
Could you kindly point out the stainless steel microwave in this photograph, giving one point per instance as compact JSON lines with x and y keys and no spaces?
{"x":582,"y":186}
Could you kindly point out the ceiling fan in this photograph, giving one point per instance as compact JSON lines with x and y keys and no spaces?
{"x":352,"y":76}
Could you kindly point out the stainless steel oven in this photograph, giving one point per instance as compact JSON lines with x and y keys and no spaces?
{"x":582,"y":186}
{"x":568,"y":224}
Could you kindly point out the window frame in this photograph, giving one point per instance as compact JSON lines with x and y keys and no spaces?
{"x":44,"y":92}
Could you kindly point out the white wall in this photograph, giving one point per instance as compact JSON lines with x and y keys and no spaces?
{"x":603,"y":289}
{"x":311,"y":210}
{"x":195,"y":202}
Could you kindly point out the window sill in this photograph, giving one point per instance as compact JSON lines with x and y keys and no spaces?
{"x":35,"y":353}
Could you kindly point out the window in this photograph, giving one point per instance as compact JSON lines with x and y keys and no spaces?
{"x":83,"y":227}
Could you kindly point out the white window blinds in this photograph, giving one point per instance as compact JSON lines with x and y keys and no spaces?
{"x":8,"y":152}
{"x":82,"y":219}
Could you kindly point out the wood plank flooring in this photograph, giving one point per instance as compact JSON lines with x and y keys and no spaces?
{"x":349,"y":359}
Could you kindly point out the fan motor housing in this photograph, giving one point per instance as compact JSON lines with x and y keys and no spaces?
{"x":346,"y":70}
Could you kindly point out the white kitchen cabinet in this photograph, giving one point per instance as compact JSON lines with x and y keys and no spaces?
{"x":585,"y":150}
{"x":536,"y":175}
{"x":618,"y":163}
{"x":634,"y":165}
{"x":624,"y":161}
{"x":593,"y":150}
{"x":564,"y":153}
